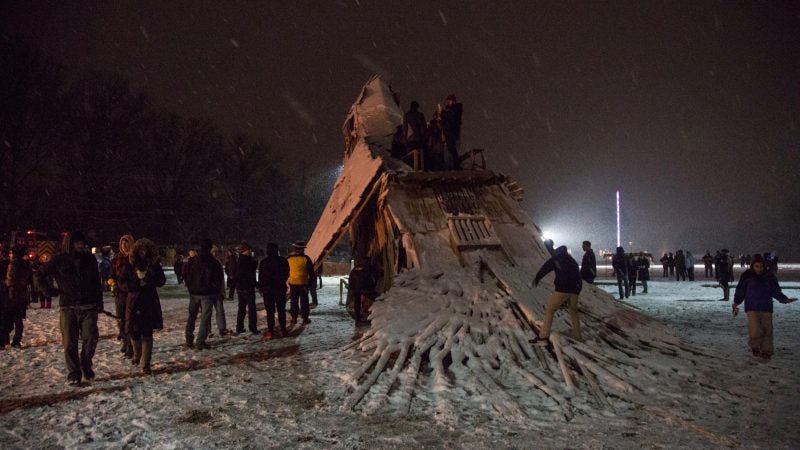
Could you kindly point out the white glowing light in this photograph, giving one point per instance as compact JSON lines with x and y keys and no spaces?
{"x":618,"y":241}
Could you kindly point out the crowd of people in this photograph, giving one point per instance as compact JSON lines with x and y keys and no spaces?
{"x":135,"y":274}
{"x":133,"y":277}
{"x":757,"y":286}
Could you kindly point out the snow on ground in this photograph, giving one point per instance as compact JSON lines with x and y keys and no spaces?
{"x":247,"y":393}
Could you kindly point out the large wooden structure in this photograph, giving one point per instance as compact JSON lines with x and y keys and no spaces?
{"x":458,"y":309}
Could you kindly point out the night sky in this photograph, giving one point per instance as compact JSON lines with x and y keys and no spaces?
{"x":690,"y":109}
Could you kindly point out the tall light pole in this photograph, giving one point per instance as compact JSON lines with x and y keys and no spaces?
{"x":618,"y":241}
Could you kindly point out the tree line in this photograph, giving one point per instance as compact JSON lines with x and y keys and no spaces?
{"x":86,"y":151}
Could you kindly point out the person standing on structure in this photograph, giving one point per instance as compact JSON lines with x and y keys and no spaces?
{"x":567,"y":289}
{"x":451,"y":126}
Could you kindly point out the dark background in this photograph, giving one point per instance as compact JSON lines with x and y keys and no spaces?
{"x":689,"y":109}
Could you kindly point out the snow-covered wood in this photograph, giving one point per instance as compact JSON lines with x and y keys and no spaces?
{"x":458,"y":312}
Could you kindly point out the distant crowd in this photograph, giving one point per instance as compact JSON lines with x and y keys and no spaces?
{"x":134,"y":274}
{"x":757,"y":286}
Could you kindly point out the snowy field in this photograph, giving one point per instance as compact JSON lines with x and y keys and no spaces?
{"x":247,"y":393}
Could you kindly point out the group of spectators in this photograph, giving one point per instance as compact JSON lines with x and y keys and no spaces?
{"x":757,"y":287}
{"x":134,"y":276}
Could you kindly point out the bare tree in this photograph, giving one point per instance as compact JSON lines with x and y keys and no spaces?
{"x":30,"y":129}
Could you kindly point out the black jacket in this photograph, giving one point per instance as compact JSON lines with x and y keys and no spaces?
{"x":568,"y":278}
{"x":204,"y":275}
{"x":77,"y":277}
{"x":362,"y":281}
{"x":414,"y":129}
{"x":620,"y":263}
{"x":451,"y":121}
{"x":588,"y":266}
{"x":273,"y":273}
{"x":245,"y":278}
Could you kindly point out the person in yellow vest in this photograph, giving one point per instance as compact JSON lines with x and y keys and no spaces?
{"x":301,"y":277}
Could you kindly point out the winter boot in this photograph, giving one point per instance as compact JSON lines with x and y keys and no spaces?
{"x":42,"y":304}
{"x":128,"y":348}
{"x":137,"y":353}
{"x":125,"y":344}
{"x":48,"y":304}
{"x":147,"y":353}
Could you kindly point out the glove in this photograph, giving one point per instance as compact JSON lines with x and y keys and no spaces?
{"x":735,"y":309}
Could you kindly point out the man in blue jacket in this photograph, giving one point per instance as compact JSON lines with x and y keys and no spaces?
{"x":756,"y":288}
{"x":567,"y":288}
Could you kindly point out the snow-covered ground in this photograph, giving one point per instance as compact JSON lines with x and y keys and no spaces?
{"x":247,"y":393}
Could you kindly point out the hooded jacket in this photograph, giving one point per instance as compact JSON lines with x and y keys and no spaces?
{"x":245,"y":278}
{"x":204,"y":274}
{"x":76,"y":275}
{"x":121,"y":266}
{"x":568,"y":279}
{"x":757,"y":291}
{"x":143,"y":306}
{"x":17,"y":279}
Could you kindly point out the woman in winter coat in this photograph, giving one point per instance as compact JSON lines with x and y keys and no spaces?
{"x":120,"y":269}
{"x":756,"y":288}
{"x":143,"y":307}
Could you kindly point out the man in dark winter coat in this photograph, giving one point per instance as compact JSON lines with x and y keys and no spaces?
{"x":178,"y":268}
{"x":619,"y":262}
{"x":17,"y":281}
{"x":725,"y":273}
{"x":708,"y":262}
{"x":231,"y":265}
{"x":633,"y":273}
{"x":643,"y":269}
{"x":680,"y":266}
{"x":361,"y":288}
{"x":665,"y":265}
{"x":451,"y":126}
{"x":245,"y":282}
{"x":273,"y":272}
{"x":756,"y":288}
{"x":588,"y":263}
{"x":567,"y":288}
{"x":80,"y":300}
{"x":414,"y":128}
{"x":205,"y":281}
